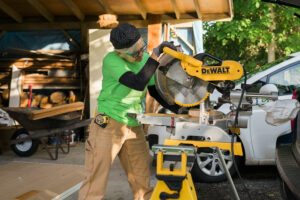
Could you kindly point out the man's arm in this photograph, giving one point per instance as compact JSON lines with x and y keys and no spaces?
{"x":140,"y":80}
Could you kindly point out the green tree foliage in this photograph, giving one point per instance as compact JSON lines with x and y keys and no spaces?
{"x":247,"y":36}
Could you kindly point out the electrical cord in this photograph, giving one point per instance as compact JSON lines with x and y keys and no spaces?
{"x":234,"y":134}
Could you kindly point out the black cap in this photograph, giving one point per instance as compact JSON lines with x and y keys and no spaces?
{"x":124,"y":36}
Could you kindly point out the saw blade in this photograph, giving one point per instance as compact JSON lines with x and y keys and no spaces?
{"x":176,"y":86}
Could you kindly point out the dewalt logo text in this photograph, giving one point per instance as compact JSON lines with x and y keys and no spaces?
{"x":215,"y":70}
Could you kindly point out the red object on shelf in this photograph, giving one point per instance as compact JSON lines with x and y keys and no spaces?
{"x":30,"y":95}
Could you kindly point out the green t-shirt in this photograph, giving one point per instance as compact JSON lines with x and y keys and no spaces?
{"x":116,"y":99}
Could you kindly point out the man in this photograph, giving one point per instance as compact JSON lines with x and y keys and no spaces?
{"x":127,"y":72}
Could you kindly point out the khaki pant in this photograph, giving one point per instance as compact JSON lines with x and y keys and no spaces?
{"x":102,"y":147}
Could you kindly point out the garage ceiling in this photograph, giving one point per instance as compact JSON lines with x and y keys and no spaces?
{"x":72,"y":14}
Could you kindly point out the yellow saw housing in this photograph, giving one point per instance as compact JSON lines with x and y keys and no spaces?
{"x":228,"y":71}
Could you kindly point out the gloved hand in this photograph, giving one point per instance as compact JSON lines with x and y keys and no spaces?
{"x":178,"y":109}
{"x":159,"y":49}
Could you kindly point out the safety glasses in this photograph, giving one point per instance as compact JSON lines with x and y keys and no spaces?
{"x":142,"y":49}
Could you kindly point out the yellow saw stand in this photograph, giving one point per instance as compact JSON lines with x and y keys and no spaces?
{"x":174,"y":182}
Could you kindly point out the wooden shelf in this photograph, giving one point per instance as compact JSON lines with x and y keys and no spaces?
{"x":43,"y":73}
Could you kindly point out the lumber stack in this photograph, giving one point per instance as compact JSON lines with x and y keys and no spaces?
{"x":42,"y":73}
{"x":44,"y":101}
{"x":41,"y":100}
{"x":54,"y":79}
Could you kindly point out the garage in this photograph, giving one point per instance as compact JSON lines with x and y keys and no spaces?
{"x":52,"y":56}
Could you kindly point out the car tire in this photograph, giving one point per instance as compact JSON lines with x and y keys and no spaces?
{"x":26,"y":148}
{"x":286,"y":192}
{"x":207,"y":165}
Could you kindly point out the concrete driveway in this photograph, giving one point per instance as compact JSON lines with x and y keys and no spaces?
{"x":117,"y":188}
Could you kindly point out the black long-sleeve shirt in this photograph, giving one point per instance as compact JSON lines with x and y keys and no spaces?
{"x":140,"y":80}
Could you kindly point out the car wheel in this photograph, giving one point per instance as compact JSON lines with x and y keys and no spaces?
{"x":26,"y":148}
{"x":208,"y":167}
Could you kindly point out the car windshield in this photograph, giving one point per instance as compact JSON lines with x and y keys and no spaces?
{"x":262,"y":68}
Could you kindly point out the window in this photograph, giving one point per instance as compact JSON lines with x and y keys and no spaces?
{"x":286,"y":80}
{"x":257,"y":85}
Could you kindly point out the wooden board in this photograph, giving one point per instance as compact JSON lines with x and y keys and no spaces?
{"x":15,"y":85}
{"x":35,"y":114}
{"x":43,"y":113}
{"x":37,"y":181}
{"x":30,"y":59}
{"x":37,"y":64}
{"x":51,"y":82}
{"x":154,"y":39}
{"x":132,"y":11}
{"x":129,"y":7}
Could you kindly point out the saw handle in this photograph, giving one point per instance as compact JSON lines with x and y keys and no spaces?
{"x":201,"y":57}
{"x":183,"y":57}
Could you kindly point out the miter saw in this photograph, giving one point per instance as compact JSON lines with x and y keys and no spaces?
{"x":187,"y":81}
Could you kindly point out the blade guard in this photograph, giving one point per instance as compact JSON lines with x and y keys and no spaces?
{"x":229,"y":70}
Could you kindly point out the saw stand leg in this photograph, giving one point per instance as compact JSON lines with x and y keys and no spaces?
{"x":203,"y":120}
{"x":236,"y":195}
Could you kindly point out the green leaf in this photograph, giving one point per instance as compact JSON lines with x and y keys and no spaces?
{"x":232,"y":37}
{"x":241,"y":38}
{"x":257,"y":4}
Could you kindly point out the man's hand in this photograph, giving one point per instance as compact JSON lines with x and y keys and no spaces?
{"x":159,"y":49}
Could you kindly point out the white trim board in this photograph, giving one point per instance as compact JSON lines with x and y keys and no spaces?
{"x":99,"y":46}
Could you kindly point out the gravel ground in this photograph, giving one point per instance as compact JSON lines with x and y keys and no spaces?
{"x":262,"y":182}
